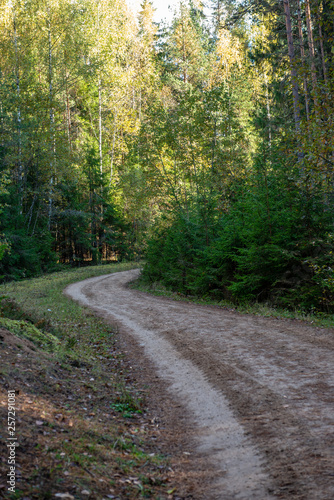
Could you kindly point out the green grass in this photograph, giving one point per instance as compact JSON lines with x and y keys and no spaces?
{"x":43,"y":296}
{"x":257,"y":308}
{"x":39,"y":305}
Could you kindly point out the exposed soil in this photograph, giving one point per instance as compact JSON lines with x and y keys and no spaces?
{"x":257,"y":394}
{"x":71,"y":442}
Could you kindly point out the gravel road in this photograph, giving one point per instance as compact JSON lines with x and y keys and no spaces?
{"x":259,"y":392}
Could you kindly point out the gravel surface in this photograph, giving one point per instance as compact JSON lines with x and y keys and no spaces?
{"x":258,"y":392}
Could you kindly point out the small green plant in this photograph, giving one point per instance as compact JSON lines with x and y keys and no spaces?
{"x":71,"y":341}
{"x":127,"y":409}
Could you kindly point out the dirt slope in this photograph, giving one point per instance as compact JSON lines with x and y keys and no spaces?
{"x":259,"y":392}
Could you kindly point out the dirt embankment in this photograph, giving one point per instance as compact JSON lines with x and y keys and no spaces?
{"x":258,"y":393}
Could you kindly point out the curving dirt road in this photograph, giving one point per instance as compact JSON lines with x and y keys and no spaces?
{"x":259,"y":392}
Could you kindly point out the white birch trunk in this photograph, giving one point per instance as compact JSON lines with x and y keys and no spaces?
{"x":19,"y":119}
{"x":52,"y":130}
{"x":100,"y":129}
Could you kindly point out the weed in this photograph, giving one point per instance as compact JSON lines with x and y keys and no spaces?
{"x":126,"y":409}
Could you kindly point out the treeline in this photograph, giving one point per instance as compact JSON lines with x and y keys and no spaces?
{"x":68,"y":86}
{"x":205,"y":144}
{"x":246,"y":155}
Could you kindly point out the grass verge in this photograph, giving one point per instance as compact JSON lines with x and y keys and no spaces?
{"x":258,"y":309}
{"x":80,"y":421}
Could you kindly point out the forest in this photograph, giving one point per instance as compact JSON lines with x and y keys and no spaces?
{"x":203,"y":145}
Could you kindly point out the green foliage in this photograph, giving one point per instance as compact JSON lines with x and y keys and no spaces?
{"x":272,"y":245}
{"x":120,"y":139}
{"x":173,"y":254}
{"x":4,"y":247}
{"x":27,"y":255}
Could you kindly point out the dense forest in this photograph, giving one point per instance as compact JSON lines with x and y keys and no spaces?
{"x":204,"y":145}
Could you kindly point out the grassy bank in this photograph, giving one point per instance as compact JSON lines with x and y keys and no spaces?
{"x":81,"y":421}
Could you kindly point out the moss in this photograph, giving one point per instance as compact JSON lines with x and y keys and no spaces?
{"x":28,"y":331}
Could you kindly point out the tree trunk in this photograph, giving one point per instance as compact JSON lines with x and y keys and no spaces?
{"x":293,"y":72}
{"x":52,"y":128}
{"x":113,"y":149}
{"x":18,"y":91}
{"x":323,"y":59}
{"x":100,"y":129}
{"x":312,"y":54}
{"x":268,"y":111}
{"x":68,"y":110}
{"x":302,"y":54}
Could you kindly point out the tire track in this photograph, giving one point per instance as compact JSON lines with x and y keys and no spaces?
{"x":260,"y":391}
